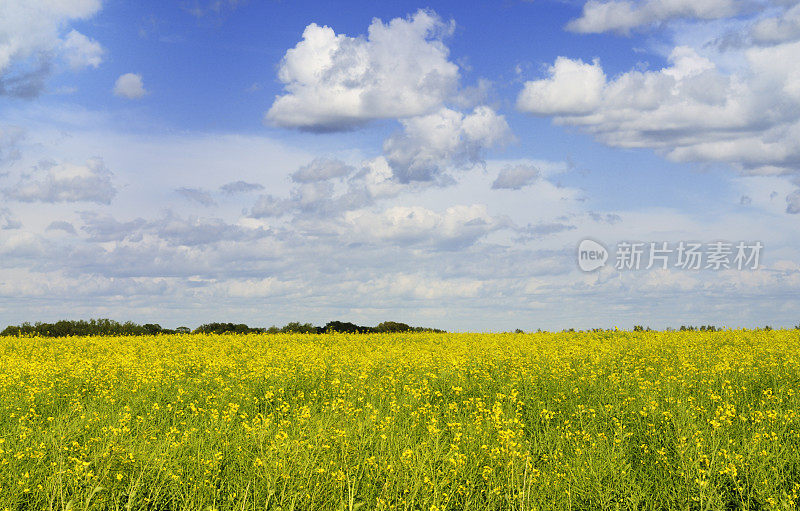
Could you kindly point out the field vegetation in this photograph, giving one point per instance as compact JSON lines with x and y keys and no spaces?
{"x":419,"y":421}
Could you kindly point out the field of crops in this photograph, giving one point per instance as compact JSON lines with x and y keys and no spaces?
{"x":605,"y":420}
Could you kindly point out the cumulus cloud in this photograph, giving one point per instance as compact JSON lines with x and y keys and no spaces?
{"x":336,"y":82}
{"x":32,"y":37}
{"x":540,"y":230}
{"x":81,"y":51}
{"x":129,"y":86}
{"x":623,"y":15}
{"x":573,"y":87}
{"x":10,"y":137}
{"x":793,"y":202}
{"x":423,"y":287}
{"x":103,"y":227}
{"x":197,"y":195}
{"x":778,"y":29}
{"x":514,"y":177}
{"x":193,"y":231}
{"x":690,"y":110}
{"x":240,"y":187}
{"x":270,"y":206}
{"x":321,"y":169}
{"x":608,"y":218}
{"x":8,"y":220}
{"x":67,"y":182}
{"x":430,"y":144}
{"x":456,"y":227}
{"x":318,"y":198}
{"x":61,"y":225}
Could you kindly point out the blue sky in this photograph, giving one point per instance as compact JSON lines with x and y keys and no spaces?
{"x":438,"y":164}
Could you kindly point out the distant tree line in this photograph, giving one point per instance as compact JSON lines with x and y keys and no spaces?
{"x":110,"y":327}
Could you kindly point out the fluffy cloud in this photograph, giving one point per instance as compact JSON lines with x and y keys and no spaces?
{"x":321,"y":169}
{"x":778,"y":29}
{"x":10,"y":137}
{"x":61,"y":225}
{"x":423,"y":287}
{"x":80,"y":51}
{"x":171,"y":228}
{"x":315,"y":194}
{"x":430,"y":144}
{"x":102,"y":227}
{"x":573,"y":87}
{"x":194,"y":231}
{"x":67,"y":182}
{"x":539,"y":231}
{"x":197,"y":195}
{"x":129,"y":86}
{"x":336,"y":82}
{"x":624,"y":15}
{"x":515,"y":177}
{"x":239,"y":187}
{"x":793,"y":203}
{"x":8,"y":220}
{"x":456,"y":227}
{"x":32,"y":37}
{"x":270,"y":206}
{"x":690,"y":110}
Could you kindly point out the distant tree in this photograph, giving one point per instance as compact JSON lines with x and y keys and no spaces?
{"x":225,"y":328}
{"x":152,"y":328}
{"x":391,"y":326}
{"x":345,"y":328}
{"x":295,"y":327}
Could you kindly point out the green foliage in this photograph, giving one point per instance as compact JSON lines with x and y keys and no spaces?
{"x":392,"y":326}
{"x":95,"y":327}
{"x":226,"y":328}
{"x":295,"y":327}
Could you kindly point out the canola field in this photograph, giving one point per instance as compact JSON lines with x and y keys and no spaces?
{"x":433,"y":422}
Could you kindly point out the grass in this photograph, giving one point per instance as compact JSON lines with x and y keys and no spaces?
{"x":602,"y":420}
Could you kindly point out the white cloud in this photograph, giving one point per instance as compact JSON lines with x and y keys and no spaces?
{"x":235,"y":187}
{"x":573,"y":87}
{"x":690,"y":110}
{"x":61,"y":225}
{"x":336,"y":82}
{"x":430,"y":144}
{"x":32,"y":35}
{"x":778,"y":29}
{"x":129,"y":86}
{"x":10,"y":137}
{"x":197,"y":195}
{"x":623,"y":15}
{"x":423,"y":287}
{"x":201,"y":9}
{"x":321,"y":169}
{"x":456,"y":227}
{"x":515,"y":177}
{"x":793,"y":202}
{"x":8,"y":220}
{"x":80,"y":51}
{"x":67,"y":182}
